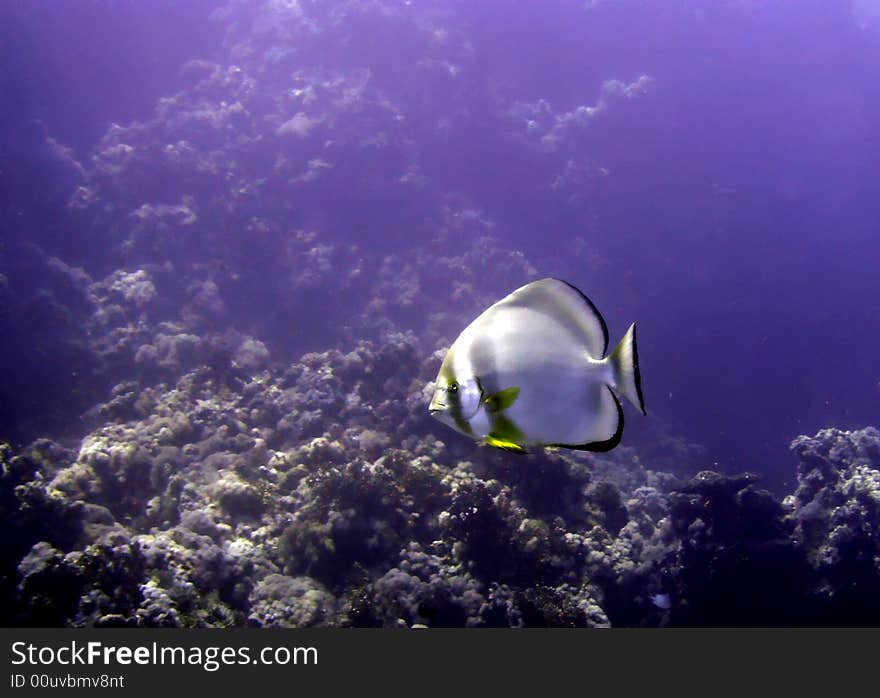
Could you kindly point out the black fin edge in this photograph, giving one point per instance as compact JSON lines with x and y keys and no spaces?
{"x":594,"y":309}
{"x":637,"y":373}
{"x":601,"y":446}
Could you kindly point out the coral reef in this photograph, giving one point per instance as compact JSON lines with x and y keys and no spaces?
{"x":319,"y":494}
{"x":201,"y":503}
{"x":836,"y":515}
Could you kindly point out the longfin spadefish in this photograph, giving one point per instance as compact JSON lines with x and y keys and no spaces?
{"x":509,"y":446}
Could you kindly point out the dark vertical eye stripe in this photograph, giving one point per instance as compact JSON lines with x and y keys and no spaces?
{"x":458,"y":417}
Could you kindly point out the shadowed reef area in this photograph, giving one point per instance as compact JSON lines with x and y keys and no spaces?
{"x":220,"y":500}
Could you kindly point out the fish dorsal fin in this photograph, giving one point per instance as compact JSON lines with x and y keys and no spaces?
{"x":568,"y":307}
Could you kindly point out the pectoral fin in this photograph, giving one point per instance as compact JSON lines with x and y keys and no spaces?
{"x":500,"y":401}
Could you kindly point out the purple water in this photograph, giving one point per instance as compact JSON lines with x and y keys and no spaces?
{"x":298,"y":176}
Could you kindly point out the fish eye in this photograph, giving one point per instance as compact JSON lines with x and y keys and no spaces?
{"x":453,"y":387}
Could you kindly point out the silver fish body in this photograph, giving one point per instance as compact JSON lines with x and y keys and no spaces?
{"x":531,"y":370}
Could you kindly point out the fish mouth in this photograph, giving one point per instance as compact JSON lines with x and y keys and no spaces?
{"x":435,"y":410}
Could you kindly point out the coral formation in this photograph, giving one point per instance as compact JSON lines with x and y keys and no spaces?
{"x":318,"y":495}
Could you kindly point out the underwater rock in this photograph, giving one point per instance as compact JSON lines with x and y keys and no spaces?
{"x":836,"y":513}
{"x":135,"y":288}
{"x":426,"y":589}
{"x":30,"y":516}
{"x":209,"y":585}
{"x":111,"y":471}
{"x":738,"y":564}
{"x":236,"y":497}
{"x":96,"y":586}
{"x":251,"y":355}
{"x":279,"y":601}
{"x":157,"y":610}
{"x":560,"y":607}
{"x":187,"y":516}
{"x":50,"y":588}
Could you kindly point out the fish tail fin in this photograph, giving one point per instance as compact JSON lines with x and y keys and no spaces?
{"x":624,"y":361}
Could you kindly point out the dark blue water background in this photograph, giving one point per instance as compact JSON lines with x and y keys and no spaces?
{"x":729,"y":201}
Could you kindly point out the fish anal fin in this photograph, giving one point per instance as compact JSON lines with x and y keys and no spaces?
{"x":606,"y":444}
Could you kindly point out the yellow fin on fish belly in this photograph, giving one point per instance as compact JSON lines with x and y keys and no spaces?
{"x":505,"y":445}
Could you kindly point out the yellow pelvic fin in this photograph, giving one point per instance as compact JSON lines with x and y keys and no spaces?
{"x":505,"y":445}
